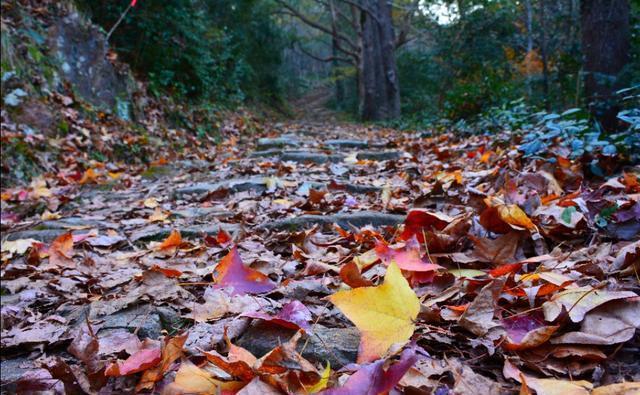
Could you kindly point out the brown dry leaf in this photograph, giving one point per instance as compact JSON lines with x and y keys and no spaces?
{"x":190,"y":379}
{"x":612,"y":323}
{"x":61,"y":251}
{"x":478,"y":318}
{"x":158,"y":215}
{"x":578,"y":301}
{"x":171,"y":351}
{"x":500,"y":250}
{"x":618,"y":389}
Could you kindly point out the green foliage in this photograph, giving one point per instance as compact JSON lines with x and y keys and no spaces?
{"x":226,"y":51}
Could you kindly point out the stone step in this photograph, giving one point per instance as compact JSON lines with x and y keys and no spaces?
{"x":278,"y":142}
{"x":47,"y":231}
{"x":256,"y":184}
{"x":349,"y":143}
{"x":160,"y":232}
{"x":320,"y":157}
{"x":344,"y":220}
{"x":338,"y":346}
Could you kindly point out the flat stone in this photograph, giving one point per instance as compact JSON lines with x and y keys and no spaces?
{"x":12,"y":370}
{"x":313,"y":157}
{"x":380,"y":155}
{"x":346,"y":143}
{"x":277,"y":142}
{"x":77,"y":222}
{"x":348,"y":187}
{"x":202,"y":212}
{"x":235,"y":185}
{"x":157,"y":232}
{"x":145,"y":318}
{"x":44,"y":236}
{"x":344,"y":220}
{"x":339,"y":346}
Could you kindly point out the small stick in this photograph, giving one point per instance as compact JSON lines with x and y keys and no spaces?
{"x":119,"y":21}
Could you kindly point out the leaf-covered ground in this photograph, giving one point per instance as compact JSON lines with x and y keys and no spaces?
{"x":323,"y":258}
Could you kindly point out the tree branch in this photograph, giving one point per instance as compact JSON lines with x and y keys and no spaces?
{"x":326,"y":59}
{"x":316,"y":25}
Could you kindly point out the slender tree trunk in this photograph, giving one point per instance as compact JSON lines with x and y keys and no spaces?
{"x":529,"y":16}
{"x":380,"y":89}
{"x":605,"y":49}
{"x":543,"y":53}
{"x":339,"y":85}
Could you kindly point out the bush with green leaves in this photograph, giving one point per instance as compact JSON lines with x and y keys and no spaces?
{"x":225,"y":51}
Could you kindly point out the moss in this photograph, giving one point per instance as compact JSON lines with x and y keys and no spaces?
{"x":156,"y":172}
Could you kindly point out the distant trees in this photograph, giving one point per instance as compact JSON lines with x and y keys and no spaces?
{"x":363,"y":35}
{"x":606,"y":51}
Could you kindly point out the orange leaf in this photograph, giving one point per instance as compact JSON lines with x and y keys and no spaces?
{"x":174,"y":240}
{"x":61,"y":250}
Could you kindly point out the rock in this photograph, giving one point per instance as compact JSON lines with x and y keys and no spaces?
{"x":339,"y":346}
{"x":77,"y":222}
{"x":14,"y":98}
{"x":313,"y":157}
{"x":236,"y":185}
{"x":344,"y":220}
{"x":348,"y":187}
{"x":157,"y":232}
{"x":278,"y":142}
{"x":202,"y":212}
{"x":145,"y":317}
{"x":346,"y":143}
{"x":45,"y":236}
{"x":380,"y":155}
{"x":11,"y":370}
{"x":81,"y":50}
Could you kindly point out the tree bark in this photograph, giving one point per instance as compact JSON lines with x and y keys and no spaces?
{"x":543,"y":53}
{"x":605,"y":49}
{"x":380,"y":88}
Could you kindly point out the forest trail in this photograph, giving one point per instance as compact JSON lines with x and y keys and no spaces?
{"x":137,"y":261}
{"x":313,"y":106}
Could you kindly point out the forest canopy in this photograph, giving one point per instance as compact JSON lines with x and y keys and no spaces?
{"x":424,"y":59}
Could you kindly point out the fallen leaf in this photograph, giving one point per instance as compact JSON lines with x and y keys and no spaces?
{"x":547,"y":386}
{"x":478,"y":318}
{"x":190,"y":379}
{"x":611,"y":323}
{"x":322,"y":383}
{"x":172,"y":242}
{"x":232,"y":273}
{"x":171,"y":351}
{"x":420,"y":220}
{"x":18,"y":247}
{"x":294,"y":315}
{"x":407,"y":258}
{"x":373,"y":379}
{"x":138,"y":362}
{"x":578,"y":301}
{"x":384,"y":314}
{"x":61,"y":251}
{"x":526,"y":331}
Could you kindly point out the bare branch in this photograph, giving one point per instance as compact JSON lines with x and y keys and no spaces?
{"x":325,"y":59}
{"x":316,"y":25}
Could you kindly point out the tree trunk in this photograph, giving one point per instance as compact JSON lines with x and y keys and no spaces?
{"x":543,"y":53}
{"x":380,"y":90}
{"x":605,"y":49}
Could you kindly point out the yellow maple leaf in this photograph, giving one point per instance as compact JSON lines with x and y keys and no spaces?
{"x":193,"y":380}
{"x":384,"y":314}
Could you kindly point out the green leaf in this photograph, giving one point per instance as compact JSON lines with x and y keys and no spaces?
{"x":567,"y":213}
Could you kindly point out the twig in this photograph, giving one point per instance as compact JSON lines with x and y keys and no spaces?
{"x":118,"y":21}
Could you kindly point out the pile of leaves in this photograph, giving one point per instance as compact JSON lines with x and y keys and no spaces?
{"x":509,"y":273}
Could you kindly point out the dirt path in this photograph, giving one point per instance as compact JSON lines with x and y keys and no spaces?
{"x":300,"y":204}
